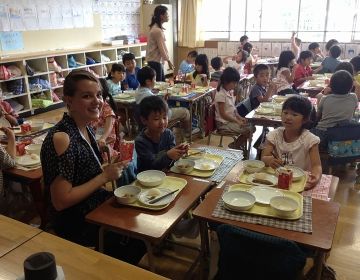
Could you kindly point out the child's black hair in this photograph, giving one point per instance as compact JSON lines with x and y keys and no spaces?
{"x":355,"y":61}
{"x":347,"y":66}
{"x":230,"y":74}
{"x":302,"y":106}
{"x":335,"y":51}
{"x":106,"y":94}
{"x":152,"y":104}
{"x":145,"y":73}
{"x":202,"y":60}
{"x":127,"y":57}
{"x":341,"y":82}
{"x":285,"y":58}
{"x":304,"y":55}
{"x":314,"y":46}
{"x":331,"y":43}
{"x":244,"y":55}
{"x":260,"y":67}
{"x":247,"y":47}
{"x":116,"y":67}
{"x":216,"y":63}
{"x":193,"y":54}
{"x":243,"y":38}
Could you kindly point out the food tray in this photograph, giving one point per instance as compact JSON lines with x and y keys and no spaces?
{"x":199,"y":173}
{"x":266,"y":210}
{"x":17,"y":130}
{"x":171,"y":183}
{"x":297,"y":186}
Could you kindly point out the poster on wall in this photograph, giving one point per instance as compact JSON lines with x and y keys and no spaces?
{"x":66,"y":12}
{"x":29,"y":14}
{"x":11,"y":41}
{"x":4,"y":17}
{"x":55,"y":14}
{"x":15,"y":16}
{"x":44,"y":18}
{"x":88,"y":13}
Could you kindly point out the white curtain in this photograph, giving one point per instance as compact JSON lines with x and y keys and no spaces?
{"x":190,"y":24}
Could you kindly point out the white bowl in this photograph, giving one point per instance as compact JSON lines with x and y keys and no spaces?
{"x":36,"y":125}
{"x":185,"y":165}
{"x":33,"y":149}
{"x":127,"y":194}
{"x":283,"y":205}
{"x":238,"y":200}
{"x":279,"y":98}
{"x":252,"y":166}
{"x":151,"y":178}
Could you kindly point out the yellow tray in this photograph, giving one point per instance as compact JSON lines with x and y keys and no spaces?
{"x":18,"y":132}
{"x":266,"y":210}
{"x":199,"y":173}
{"x":297,"y":186}
{"x":171,"y":183}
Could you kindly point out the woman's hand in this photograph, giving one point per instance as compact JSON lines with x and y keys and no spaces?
{"x":102,"y":143}
{"x":9,"y":134}
{"x":113,"y":171}
{"x":171,"y":66}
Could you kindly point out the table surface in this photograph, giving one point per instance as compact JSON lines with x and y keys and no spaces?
{"x":263,"y":120}
{"x":13,"y":234}
{"x":77,"y":262}
{"x":148,"y":224}
{"x":325,"y":216}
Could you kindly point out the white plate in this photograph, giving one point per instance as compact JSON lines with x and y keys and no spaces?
{"x":122,"y":96}
{"x":205,"y":164}
{"x":271,"y":178}
{"x":143,"y":198}
{"x":265,"y":111}
{"x":264,"y":194}
{"x":27,"y":160}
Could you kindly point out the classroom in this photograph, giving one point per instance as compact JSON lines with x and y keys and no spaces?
{"x":179,"y":139}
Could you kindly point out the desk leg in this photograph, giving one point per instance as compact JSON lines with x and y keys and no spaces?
{"x":205,"y":250}
{"x":127,"y":120}
{"x":202,"y":117}
{"x":150,"y":255}
{"x":250,"y":140}
{"x":39,"y":201}
{"x":191,"y":116}
{"x":101,"y":239}
{"x":318,"y":264}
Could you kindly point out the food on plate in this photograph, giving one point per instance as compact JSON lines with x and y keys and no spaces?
{"x":206,"y":166}
{"x":153,"y":193}
{"x":34,"y":157}
{"x":149,"y":178}
{"x":183,"y":165}
{"x":127,"y":195}
{"x":260,"y":178}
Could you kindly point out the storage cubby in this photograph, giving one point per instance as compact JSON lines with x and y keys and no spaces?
{"x":44,"y":71}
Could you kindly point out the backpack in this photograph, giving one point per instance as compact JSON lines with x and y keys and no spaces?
{"x":29,"y":70}
{"x":4,"y":73}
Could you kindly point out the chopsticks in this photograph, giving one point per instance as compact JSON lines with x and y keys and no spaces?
{"x":152,"y":201}
{"x":276,"y":157}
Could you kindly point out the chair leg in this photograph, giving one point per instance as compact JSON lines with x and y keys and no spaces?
{"x":209,"y":137}
{"x":221,"y":139}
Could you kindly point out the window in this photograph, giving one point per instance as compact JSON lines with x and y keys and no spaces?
{"x":314,"y":20}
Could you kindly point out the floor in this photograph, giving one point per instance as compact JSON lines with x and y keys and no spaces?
{"x":173,"y":261}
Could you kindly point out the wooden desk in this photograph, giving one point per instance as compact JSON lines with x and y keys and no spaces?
{"x":312,"y":91}
{"x":150,"y":226}
{"x":31,"y":178}
{"x":13,"y":234}
{"x":325,"y":216}
{"x":77,"y":262}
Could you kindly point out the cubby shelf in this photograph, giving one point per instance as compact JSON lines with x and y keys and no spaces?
{"x":38,"y":62}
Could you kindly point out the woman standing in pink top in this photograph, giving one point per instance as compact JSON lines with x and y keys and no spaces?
{"x":156,"y":51}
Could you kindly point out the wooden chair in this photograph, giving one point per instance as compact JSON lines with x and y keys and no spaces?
{"x":250,"y":255}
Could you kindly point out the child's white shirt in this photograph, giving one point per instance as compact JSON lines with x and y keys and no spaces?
{"x":281,"y":81}
{"x":297,"y":151}
{"x":228,"y":98}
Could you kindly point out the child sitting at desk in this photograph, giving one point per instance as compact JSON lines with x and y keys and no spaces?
{"x":337,"y":107}
{"x":115,"y":79}
{"x":292,"y":143}
{"x":330,"y":62}
{"x":187,"y":65}
{"x":147,"y":77}
{"x":303,"y":70}
{"x":201,"y":75}
{"x":260,"y":92}
{"x":237,"y":61}
{"x":155,"y":145}
{"x":226,"y":115}
{"x":129,"y":62}
{"x":316,"y":52}
{"x":285,"y":73}
{"x":7,"y":155}
{"x":216,"y":64}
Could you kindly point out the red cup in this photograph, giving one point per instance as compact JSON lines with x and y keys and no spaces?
{"x":126,"y":150}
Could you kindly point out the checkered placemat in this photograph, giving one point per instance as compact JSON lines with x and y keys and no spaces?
{"x":322,"y":189}
{"x":231,"y":157}
{"x":304,"y":224}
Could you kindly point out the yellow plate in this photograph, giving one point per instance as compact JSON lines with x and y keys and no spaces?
{"x":297,"y":186}
{"x":171,"y":183}
{"x":266,"y":210}
{"x":201,"y":173}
